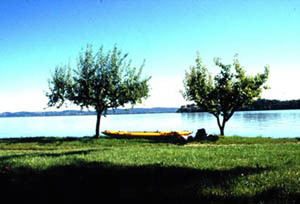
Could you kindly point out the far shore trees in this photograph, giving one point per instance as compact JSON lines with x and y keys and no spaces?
{"x":226,"y":92}
{"x":102,"y":80}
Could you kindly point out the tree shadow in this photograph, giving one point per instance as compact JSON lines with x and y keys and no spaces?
{"x":96,"y":181}
{"x":85,"y":140}
{"x":39,"y":140}
{"x":3,"y":159}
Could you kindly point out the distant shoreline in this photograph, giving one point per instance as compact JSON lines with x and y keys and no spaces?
{"x":86,"y":113}
{"x":259,"y":105}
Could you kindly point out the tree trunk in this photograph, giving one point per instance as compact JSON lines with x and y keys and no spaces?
{"x":99,"y":113}
{"x":221,"y":126}
{"x":222,"y":130}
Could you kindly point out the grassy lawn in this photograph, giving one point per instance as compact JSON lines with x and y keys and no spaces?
{"x":235,"y":169}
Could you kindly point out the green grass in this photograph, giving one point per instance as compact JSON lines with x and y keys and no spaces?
{"x":232,"y":169}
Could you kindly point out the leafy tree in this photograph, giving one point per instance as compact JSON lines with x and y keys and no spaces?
{"x":102,"y":80}
{"x":226,"y":92}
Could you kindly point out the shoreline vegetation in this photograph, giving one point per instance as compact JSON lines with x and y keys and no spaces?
{"x":231,"y":169}
{"x":260,"y":104}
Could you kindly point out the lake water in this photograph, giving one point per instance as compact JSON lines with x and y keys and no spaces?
{"x":277,"y":124}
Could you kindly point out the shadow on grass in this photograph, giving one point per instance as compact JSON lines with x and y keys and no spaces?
{"x":83,"y":140}
{"x":94,"y":181}
{"x":3,"y":159}
{"x":40,"y":140}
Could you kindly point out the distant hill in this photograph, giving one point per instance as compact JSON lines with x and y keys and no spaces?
{"x":79,"y":112}
{"x":260,"y":104}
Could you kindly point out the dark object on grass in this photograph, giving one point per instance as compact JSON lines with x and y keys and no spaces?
{"x":201,"y":134}
{"x":212,"y":137}
{"x":190,"y":139}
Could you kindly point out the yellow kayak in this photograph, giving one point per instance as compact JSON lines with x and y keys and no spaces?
{"x":146,"y":134}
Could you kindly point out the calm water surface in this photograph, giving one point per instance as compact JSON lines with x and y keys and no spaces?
{"x":277,"y":124}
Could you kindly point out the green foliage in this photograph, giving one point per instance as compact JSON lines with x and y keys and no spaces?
{"x":102,"y":80}
{"x":226,"y":92}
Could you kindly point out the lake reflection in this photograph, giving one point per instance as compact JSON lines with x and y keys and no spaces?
{"x":284,"y":123}
{"x":281,"y":123}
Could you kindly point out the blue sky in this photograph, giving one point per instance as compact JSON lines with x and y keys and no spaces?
{"x":37,"y":35}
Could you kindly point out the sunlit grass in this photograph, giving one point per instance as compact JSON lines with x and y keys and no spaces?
{"x":230,"y":169}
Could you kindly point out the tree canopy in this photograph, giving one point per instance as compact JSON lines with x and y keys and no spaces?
{"x":225,"y":93}
{"x":102,"y":80}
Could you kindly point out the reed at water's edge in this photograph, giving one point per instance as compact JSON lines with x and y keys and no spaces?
{"x":235,"y":169}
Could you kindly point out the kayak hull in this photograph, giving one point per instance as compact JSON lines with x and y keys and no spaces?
{"x":146,"y":134}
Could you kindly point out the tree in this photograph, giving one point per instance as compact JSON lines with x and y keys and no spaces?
{"x":226,"y":92}
{"x":102,"y":81}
